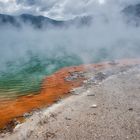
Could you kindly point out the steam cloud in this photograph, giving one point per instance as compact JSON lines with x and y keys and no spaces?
{"x":109,"y":37}
{"x":28,"y":54}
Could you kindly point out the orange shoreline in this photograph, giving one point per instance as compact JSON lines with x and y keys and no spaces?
{"x":53,"y":88}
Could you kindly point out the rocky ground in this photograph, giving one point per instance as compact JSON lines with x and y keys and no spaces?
{"x":106,"y":107}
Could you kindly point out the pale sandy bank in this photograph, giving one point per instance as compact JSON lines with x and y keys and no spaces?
{"x":106,"y":107}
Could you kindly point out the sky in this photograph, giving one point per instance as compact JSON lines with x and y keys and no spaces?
{"x":58,"y":9}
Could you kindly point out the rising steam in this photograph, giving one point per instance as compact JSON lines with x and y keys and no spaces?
{"x":39,"y":52}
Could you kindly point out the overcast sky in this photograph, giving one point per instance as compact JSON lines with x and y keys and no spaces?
{"x":58,"y":8}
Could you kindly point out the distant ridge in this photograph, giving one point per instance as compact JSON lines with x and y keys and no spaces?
{"x":41,"y":21}
{"x":132,"y":12}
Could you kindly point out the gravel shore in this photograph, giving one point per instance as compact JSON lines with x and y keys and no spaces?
{"x":106,"y":107}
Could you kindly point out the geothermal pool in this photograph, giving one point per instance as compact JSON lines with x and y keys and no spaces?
{"x":26,"y":77}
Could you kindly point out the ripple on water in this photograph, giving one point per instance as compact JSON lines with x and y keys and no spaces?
{"x":24,"y":76}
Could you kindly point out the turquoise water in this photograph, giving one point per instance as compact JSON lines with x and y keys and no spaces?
{"x":25,"y":77}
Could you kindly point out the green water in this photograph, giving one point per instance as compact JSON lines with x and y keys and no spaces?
{"x":25,"y":77}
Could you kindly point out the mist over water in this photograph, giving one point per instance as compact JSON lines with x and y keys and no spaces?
{"x":27,"y":54}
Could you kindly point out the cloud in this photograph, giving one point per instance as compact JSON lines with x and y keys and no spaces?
{"x":50,"y":8}
{"x":58,"y":8}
